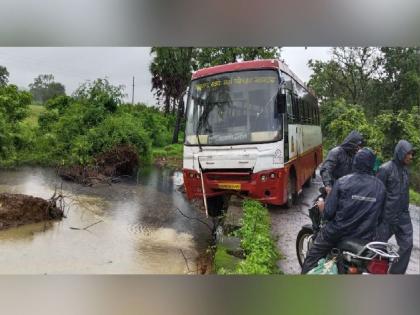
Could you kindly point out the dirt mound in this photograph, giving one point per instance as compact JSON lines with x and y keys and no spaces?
{"x":119,"y":161}
{"x":18,"y":209}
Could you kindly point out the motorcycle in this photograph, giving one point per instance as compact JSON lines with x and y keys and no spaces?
{"x":352,"y":256}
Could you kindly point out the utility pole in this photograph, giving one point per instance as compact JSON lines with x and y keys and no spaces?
{"x":132,"y":97}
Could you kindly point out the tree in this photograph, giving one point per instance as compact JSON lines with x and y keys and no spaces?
{"x":171,"y":73}
{"x":4,"y":76}
{"x":14,"y":103}
{"x":44,"y":88}
{"x":13,"y":109}
{"x":400,"y":85}
{"x":347,"y":75}
{"x":100,"y":93}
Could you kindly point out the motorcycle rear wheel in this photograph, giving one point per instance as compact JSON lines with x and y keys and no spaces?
{"x":303,"y":243}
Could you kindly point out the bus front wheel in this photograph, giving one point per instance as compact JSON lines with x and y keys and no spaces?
{"x":291,"y":192}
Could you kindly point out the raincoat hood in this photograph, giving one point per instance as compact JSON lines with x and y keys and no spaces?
{"x":351,"y":142}
{"x":401,"y":149}
{"x":364,"y":161}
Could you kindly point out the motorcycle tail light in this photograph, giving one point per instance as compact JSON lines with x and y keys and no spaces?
{"x":377,"y":266}
{"x":352,"y":270}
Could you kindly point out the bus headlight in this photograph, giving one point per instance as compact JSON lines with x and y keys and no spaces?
{"x":272,"y":175}
{"x":263,"y":178}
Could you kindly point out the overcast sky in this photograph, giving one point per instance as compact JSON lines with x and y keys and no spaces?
{"x":74,"y":65}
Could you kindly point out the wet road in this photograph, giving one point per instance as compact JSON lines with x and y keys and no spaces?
{"x":138,"y":229}
{"x":286,"y":224}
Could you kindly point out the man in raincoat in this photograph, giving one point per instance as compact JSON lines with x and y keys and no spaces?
{"x":340,"y":159}
{"x":352,"y":209}
{"x":396,"y":217}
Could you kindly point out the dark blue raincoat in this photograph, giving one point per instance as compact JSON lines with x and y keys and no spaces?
{"x":396,"y":217}
{"x":352,"y":209}
{"x":339,"y":160}
{"x":356,"y":202}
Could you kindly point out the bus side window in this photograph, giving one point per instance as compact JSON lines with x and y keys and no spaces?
{"x":310,"y":113}
{"x":301,"y":111}
{"x":305,"y":111}
{"x":318,"y":121}
{"x":295,"y":110}
{"x":290,"y":113}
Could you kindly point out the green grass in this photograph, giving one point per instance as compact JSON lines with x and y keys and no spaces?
{"x":414,"y":197}
{"x":169,"y":156}
{"x":223,"y":262}
{"x":34,"y":112}
{"x":169,"y":151}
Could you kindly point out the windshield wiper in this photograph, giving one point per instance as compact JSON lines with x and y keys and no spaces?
{"x":204,"y":116}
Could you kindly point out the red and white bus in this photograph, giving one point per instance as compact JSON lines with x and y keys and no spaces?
{"x":253,"y":128}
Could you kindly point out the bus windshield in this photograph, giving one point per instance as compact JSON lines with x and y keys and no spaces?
{"x":234,"y":108}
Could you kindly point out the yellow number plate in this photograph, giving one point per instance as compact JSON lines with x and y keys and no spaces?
{"x":230,"y":186}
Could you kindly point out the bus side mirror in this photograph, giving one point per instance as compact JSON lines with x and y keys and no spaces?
{"x":280,"y":104}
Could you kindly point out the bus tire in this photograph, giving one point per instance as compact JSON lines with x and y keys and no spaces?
{"x":291,"y":191}
{"x":215,"y":206}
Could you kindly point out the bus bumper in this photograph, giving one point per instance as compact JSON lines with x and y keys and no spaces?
{"x":269,"y":186}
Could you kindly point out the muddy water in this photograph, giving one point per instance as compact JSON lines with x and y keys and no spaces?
{"x":137,"y":228}
{"x":286,"y":224}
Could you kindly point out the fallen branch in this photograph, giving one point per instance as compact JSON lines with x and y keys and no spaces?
{"x":186,"y":262}
{"x":86,"y":227}
{"x":197,"y":219}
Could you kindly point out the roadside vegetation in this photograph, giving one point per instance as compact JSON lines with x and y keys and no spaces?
{"x":73,"y":129}
{"x":414,"y":197}
{"x":259,"y":249}
{"x":169,"y":156}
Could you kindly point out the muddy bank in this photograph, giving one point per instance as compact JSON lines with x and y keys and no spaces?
{"x":107,"y":168}
{"x":18,"y":209}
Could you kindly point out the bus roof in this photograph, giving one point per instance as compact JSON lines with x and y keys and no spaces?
{"x":249,"y":65}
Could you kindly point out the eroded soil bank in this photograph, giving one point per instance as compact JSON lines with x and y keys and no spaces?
{"x":108,"y":167}
{"x":19,"y":209}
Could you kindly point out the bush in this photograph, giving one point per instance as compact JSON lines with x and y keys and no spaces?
{"x":100,"y":93}
{"x":353,"y":118}
{"x":158,"y":126}
{"x":393,"y":127}
{"x":259,"y":247}
{"x":13,"y":109}
{"x":114,"y":130}
{"x":172,"y":151}
{"x":75,"y":129}
{"x":415,"y":197}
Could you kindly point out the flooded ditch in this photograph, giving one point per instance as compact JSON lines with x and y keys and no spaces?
{"x":125,"y":228}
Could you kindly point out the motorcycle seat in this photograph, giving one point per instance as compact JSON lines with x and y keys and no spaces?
{"x":351,"y":245}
